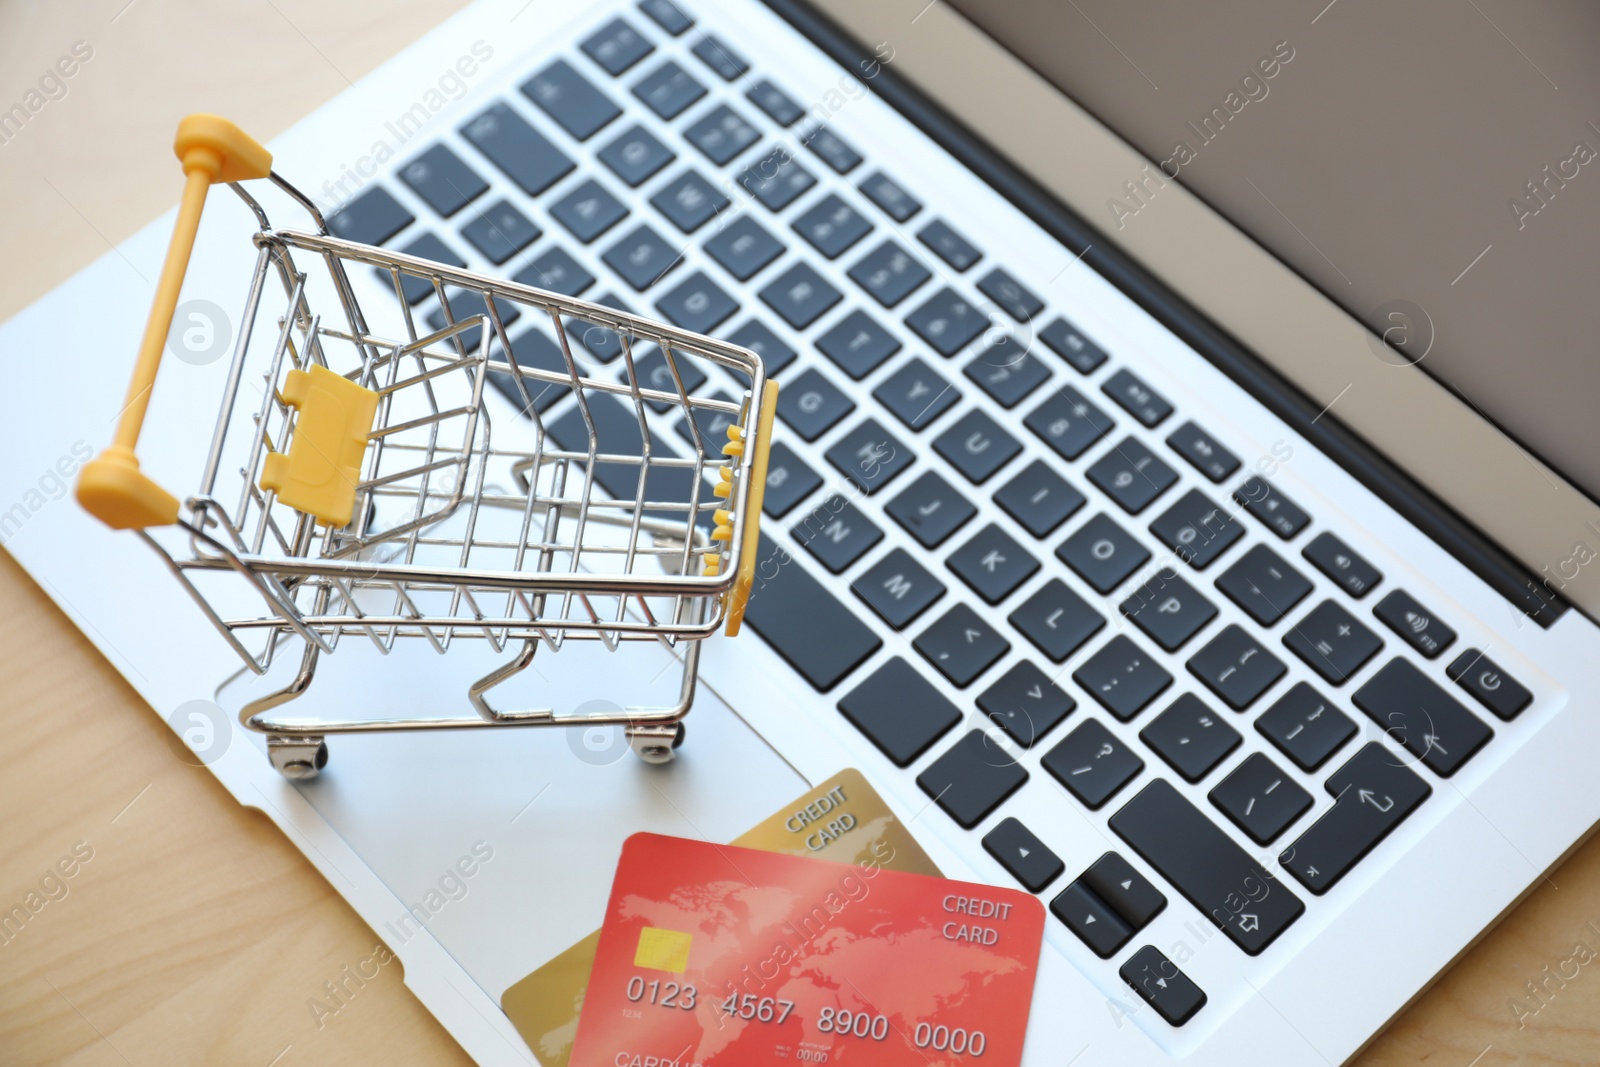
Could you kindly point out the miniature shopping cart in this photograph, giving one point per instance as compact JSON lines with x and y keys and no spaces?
{"x":353,"y":491}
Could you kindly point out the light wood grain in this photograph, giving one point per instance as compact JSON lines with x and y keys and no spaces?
{"x":197,"y":933}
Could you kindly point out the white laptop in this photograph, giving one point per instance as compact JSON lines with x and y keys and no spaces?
{"x":1123,"y":613}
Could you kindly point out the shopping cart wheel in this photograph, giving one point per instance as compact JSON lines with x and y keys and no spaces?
{"x":656,"y":743}
{"x":298,"y":758}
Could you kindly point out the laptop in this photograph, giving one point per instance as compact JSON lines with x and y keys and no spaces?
{"x":1243,"y":621}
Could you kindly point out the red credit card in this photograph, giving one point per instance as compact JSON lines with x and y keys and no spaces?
{"x":717,"y":956}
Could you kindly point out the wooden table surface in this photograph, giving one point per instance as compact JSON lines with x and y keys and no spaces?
{"x":195,"y":933}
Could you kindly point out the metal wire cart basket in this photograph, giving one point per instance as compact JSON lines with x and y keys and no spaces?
{"x":353,"y":489}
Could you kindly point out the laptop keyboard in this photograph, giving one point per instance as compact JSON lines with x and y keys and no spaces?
{"x":1064,"y":515}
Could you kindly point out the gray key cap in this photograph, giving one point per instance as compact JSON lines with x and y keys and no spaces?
{"x":722,"y":134}
{"x":534,"y":350}
{"x":1057,"y":620}
{"x":836,"y":533}
{"x":689,"y":201}
{"x":1025,"y":703}
{"x":440,"y":178}
{"x":899,"y":711}
{"x":715,"y":53}
{"x":916,"y":394}
{"x":977,"y":446}
{"x":635,"y":155}
{"x":600,"y":342}
{"x":525,"y":155}
{"x":1489,"y":685}
{"x":832,"y":150}
{"x":1068,"y":342}
{"x":668,"y":90}
{"x":1196,"y":530}
{"x":466,"y":305}
{"x":1417,"y":626}
{"x":1236,"y":667}
{"x":568,"y":97}
{"x":616,"y":46}
{"x":667,"y":15}
{"x":1332,"y":642}
{"x":889,"y":273}
{"x":1068,"y":422}
{"x":1415,"y":711}
{"x":1027,"y":858}
{"x":423,"y":246}
{"x":778,"y":105}
{"x":1016,"y":299}
{"x":1136,"y":398}
{"x":710,"y":428}
{"x":947,"y":322}
{"x":992,"y":564}
{"x":759,"y":338}
{"x":857,"y":345}
{"x":800,"y":295}
{"x":1092,"y":919}
{"x":1039,"y":498}
{"x":642,"y":257}
{"x":1260,"y":799}
{"x":1306,"y":726}
{"x":1169,"y":610}
{"x":1168,"y":990}
{"x":949,"y":245}
{"x":1264,"y":500}
{"x":831,"y":226}
{"x":898,"y":588}
{"x":1130,"y":894}
{"x":743,"y":248}
{"x":811,"y":405}
{"x":930,"y":509}
{"x":972,"y":778}
{"x":777,"y":179}
{"x":1375,"y":794}
{"x":816,"y":634}
{"x":1263,"y":585}
{"x":1122,"y":677}
{"x":789,"y":481}
{"x":1092,"y":763}
{"x":890,"y":197}
{"x":654,"y":373}
{"x":371,"y":218}
{"x":1006,"y":372}
{"x":588,"y":211}
{"x":961,"y":645}
{"x":1204,"y":452}
{"x":697,"y":304}
{"x":1340,"y":563}
{"x":1102,"y":554}
{"x":1131,"y":475}
{"x":1191,"y":737}
{"x":500,"y":231}
{"x":870,"y":456}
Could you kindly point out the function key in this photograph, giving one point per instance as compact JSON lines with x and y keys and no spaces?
{"x":1016,"y":299}
{"x":440,"y":178}
{"x":777,"y":180}
{"x":1025,"y":703}
{"x":689,"y":201}
{"x":890,"y":196}
{"x":1374,"y":794}
{"x":588,"y":211}
{"x":697,"y":304}
{"x":824,"y":640}
{"x":722,"y":134}
{"x":789,"y":481}
{"x":636,"y":155}
{"x":1122,"y":677}
{"x":1168,"y":990}
{"x":1169,"y":610}
{"x":778,"y":105}
{"x":800,"y":295}
{"x":870,"y":456}
{"x":668,"y":90}
{"x":1415,"y":624}
{"x":1280,"y":514}
{"x":992,"y":564}
{"x":950,"y":246}
{"x":371,"y":218}
{"x":1489,"y":685}
{"x":857,"y":345}
{"x":714,"y":53}
{"x":961,"y":645}
{"x":977,"y":446}
{"x":1115,"y":881}
{"x":1006,"y":372}
{"x":1039,"y":499}
{"x":1066,"y":341}
{"x":916,"y":394}
{"x":1196,"y":530}
{"x":1332,"y":642}
{"x":758,"y":337}
{"x":1234,"y":666}
{"x":744,"y":248}
{"x":889,"y":274}
{"x":832,"y":150}
{"x":1191,"y":737}
{"x":947,"y":322}
{"x":568,"y":97}
{"x":1263,"y":585}
{"x":898,"y":588}
{"x":1340,"y":563}
{"x":1203,"y":452}
{"x":899,"y":710}
{"x":1137,"y":398}
{"x":832,"y":226}
{"x":500,"y":231}
{"x":526,"y":156}
{"x":1068,"y":422}
{"x":1092,"y":919}
{"x":1131,"y":475}
{"x":1432,"y":725}
{"x":1306,"y":726}
{"x":1027,"y":859}
{"x":1102,"y":554}
{"x":972,"y":778}
{"x":1057,"y":620}
{"x":616,"y":46}
{"x":667,"y":15}
{"x":837,"y":533}
{"x":1092,"y":763}
{"x":930,"y":509}
{"x":810,"y":405}
{"x":1260,"y":799}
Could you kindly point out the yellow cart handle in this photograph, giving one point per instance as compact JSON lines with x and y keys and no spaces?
{"x":749,"y":546}
{"x":111,"y":486}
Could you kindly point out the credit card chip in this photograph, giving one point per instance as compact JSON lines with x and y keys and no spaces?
{"x":663,"y":950}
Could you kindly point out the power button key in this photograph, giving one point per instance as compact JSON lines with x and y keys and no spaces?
{"x":1491,"y":686}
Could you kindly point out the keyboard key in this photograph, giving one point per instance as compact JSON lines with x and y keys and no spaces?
{"x":1201,"y":861}
{"x":898,"y":588}
{"x":831,"y":226}
{"x":971,"y":779}
{"x":1131,"y":475}
{"x":601,"y":342}
{"x":371,"y":218}
{"x":1130,"y":894}
{"x":899,"y":711}
{"x":976,"y":445}
{"x":759,"y":338}
{"x":1025,"y":703}
{"x":1065,"y":340}
{"x":1339,"y":562}
{"x":667,"y":15}
{"x":635,"y":155}
{"x":1068,"y":423}
{"x":832,"y":150}
{"x":947,"y":322}
{"x":654,"y":373}
{"x":930,"y":509}
{"x":961,"y":645}
{"x":642,"y":257}
{"x":870,"y":456}
{"x":424,"y":246}
{"x":1413,"y":710}
{"x":1260,"y":799}
{"x":819,"y":636}
{"x":1489,"y":685}
{"x":534,"y":350}
{"x":857,"y":345}
{"x":1039,"y":499}
{"x":1007,"y":373}
{"x":916,"y":394}
{"x":949,"y":245}
{"x":811,"y":405}
{"x":777,"y":180}
{"x":689,"y":201}
{"x":1122,"y":677}
{"x":1102,"y":554}
{"x":1306,"y":726}
{"x":588,"y":211}
{"x":1263,"y":585}
{"x":1137,"y":398}
{"x":778,"y":105}
{"x":500,"y":231}
{"x":1375,"y":794}
{"x":1092,"y":919}
{"x":1203,"y":452}
{"x":616,"y":46}
{"x":743,"y":248}
{"x":1280,"y":514}
{"x":1191,"y":737}
{"x":1012,"y":296}
{"x":837,"y":533}
{"x":800,"y":295}
{"x":1416,"y":625}
{"x":1057,"y":620}
{"x":1022,"y":854}
{"x":722,"y":134}
{"x":889,"y":274}
{"x":719,"y":57}
{"x":1234,"y":666}
{"x":1196,"y":530}
{"x":669,"y":90}
{"x":992,"y":564}
{"x":568,"y":97}
{"x":617,"y":432}
{"x":441,"y":179}
{"x":1168,"y":990}
{"x":1332,"y":642}
{"x":1092,"y":763}
{"x":1169,"y":610}
{"x":522,"y":152}
{"x":789,"y":481}
{"x":697,"y":305}
{"x":710,"y":428}
{"x":465,"y":305}
{"x":890,"y":197}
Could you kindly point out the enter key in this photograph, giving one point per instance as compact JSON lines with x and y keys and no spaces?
{"x":1375,"y":792}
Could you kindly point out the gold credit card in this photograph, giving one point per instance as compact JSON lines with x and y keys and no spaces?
{"x":843,"y":819}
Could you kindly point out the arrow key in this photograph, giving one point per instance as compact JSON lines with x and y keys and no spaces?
{"x":1375,"y":794}
{"x":1168,"y":990}
{"x":961,"y":645}
{"x":1091,"y":919}
{"x":1025,"y":703}
{"x":1114,"y":881}
{"x":1023,"y":854}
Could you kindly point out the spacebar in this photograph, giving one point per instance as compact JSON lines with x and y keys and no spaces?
{"x":803,"y":622}
{"x":1217,"y":876}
